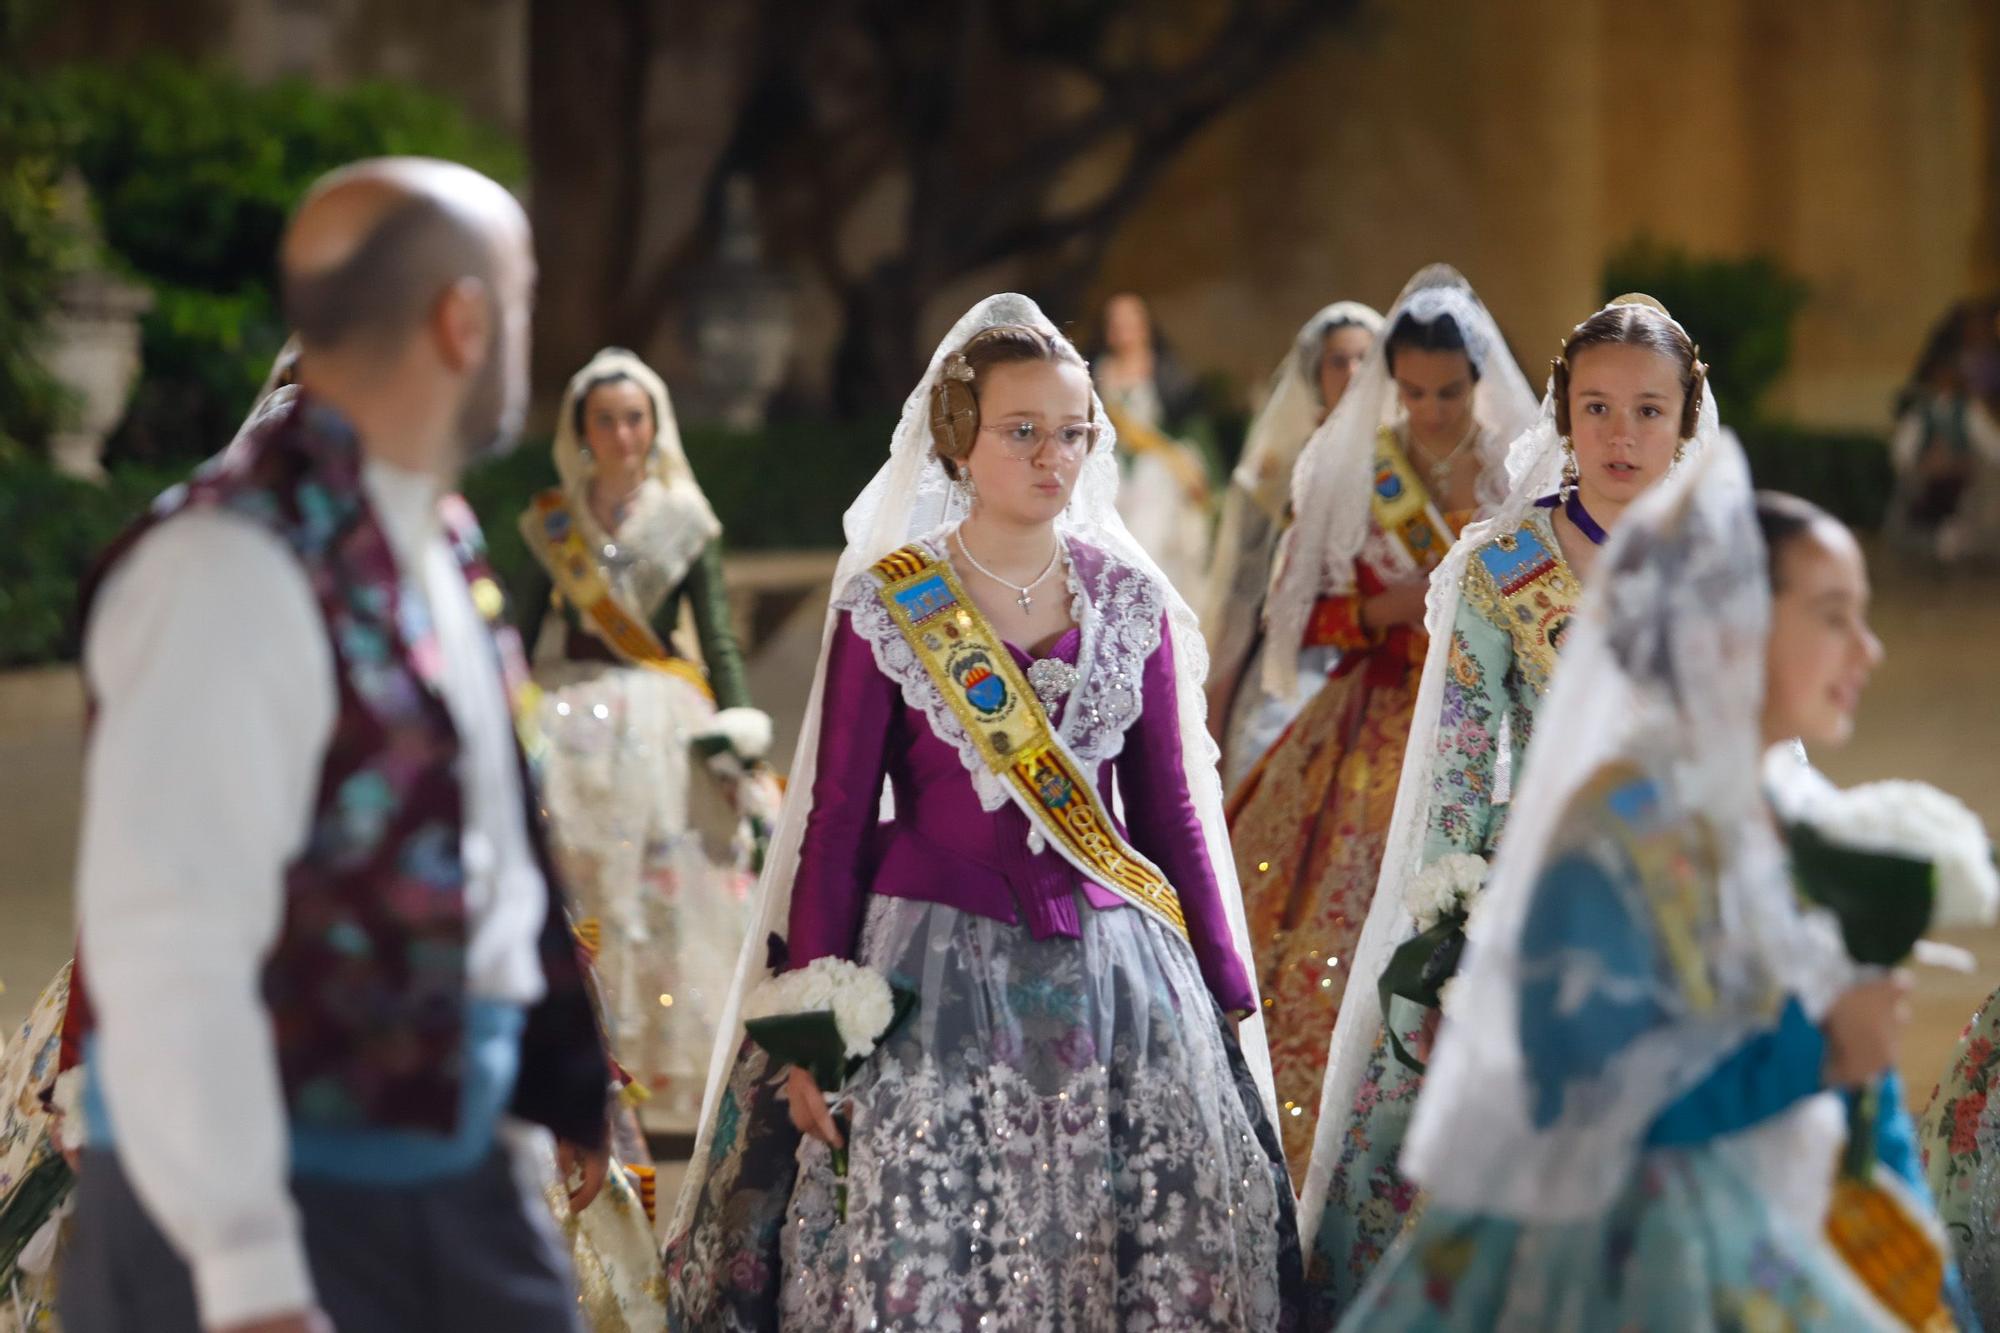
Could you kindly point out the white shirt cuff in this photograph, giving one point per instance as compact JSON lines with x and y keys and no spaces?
{"x":256,"y":1281}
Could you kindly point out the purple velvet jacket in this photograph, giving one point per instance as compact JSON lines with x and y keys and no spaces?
{"x":943,"y":848}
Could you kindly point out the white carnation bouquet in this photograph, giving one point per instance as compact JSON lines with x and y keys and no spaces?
{"x":1889,"y":859}
{"x":1445,"y":887}
{"x":827,"y":1018}
{"x":1917,"y":821}
{"x":1439,"y":898}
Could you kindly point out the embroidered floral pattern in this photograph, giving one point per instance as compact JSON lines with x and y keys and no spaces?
{"x":1308,"y":827}
{"x":1486,"y":716}
{"x":1024,"y":1150}
{"x":1118,"y":611}
{"x":1960,"y":1137}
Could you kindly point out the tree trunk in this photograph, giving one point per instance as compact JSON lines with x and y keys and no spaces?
{"x":573,"y":139}
{"x":633,"y":108}
{"x":1986,"y":234}
{"x":878,"y":360}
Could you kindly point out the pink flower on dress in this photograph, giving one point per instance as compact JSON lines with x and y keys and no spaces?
{"x":1965,"y":1115}
{"x":1978,"y":1052}
{"x":1077,"y":1049}
{"x":746,"y":1272}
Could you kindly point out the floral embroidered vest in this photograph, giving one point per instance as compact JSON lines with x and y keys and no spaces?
{"x":366,"y":983}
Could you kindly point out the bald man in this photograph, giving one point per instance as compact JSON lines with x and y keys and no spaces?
{"x":325,"y":982}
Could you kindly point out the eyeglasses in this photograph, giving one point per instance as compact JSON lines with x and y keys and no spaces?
{"x":1024,"y":439}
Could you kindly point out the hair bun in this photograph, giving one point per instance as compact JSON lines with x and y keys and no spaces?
{"x":1640,"y":298}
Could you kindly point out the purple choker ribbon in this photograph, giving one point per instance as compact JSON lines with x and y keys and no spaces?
{"x":1572,"y":505}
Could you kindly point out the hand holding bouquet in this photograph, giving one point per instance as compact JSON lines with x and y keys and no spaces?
{"x":827,"y":1018}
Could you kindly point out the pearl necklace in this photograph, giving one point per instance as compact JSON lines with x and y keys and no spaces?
{"x":1021,"y":591}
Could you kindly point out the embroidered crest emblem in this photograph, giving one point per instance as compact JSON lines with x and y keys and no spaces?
{"x":984,"y":689}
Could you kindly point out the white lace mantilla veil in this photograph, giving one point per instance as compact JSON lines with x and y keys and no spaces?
{"x":1664,"y":670}
{"x":1534,"y":470}
{"x":1288,"y":418}
{"x":1333,"y":482}
{"x":671,"y":520}
{"x":909,"y":498}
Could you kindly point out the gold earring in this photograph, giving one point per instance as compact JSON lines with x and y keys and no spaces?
{"x":1571,"y":475}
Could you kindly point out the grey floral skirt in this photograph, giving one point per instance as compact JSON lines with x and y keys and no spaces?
{"x":1064,"y":1136}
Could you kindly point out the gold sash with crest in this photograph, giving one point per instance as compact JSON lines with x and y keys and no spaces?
{"x":553,"y":537}
{"x":1403,"y":505}
{"x":991,"y":698}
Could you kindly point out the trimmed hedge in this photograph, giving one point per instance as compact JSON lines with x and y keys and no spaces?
{"x":783,"y":488}
{"x":192,"y":171}
{"x":1848,"y":473}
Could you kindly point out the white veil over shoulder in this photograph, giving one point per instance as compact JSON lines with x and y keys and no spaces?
{"x":670,"y":521}
{"x":910,"y":497}
{"x":1290,"y":414}
{"x":1333,"y":481}
{"x":1664,"y":671}
{"x":1534,"y":471}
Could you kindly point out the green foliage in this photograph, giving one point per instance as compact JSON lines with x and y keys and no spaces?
{"x":55,"y":527}
{"x":785,"y":487}
{"x":782,"y":488}
{"x":36,"y":250}
{"x":193,"y":172}
{"x":1740,"y":311}
{"x":1847,"y":473}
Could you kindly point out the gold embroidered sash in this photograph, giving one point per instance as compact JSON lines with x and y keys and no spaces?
{"x":1520,"y":582}
{"x":554,"y":538}
{"x":1403,"y":505}
{"x":990,"y":696}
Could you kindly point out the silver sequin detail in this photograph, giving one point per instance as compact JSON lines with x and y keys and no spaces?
{"x":1053,"y":679}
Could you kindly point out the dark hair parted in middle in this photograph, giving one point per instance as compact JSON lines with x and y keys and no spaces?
{"x":1781,"y":520}
{"x":955,"y":399}
{"x":603,"y":381}
{"x":1634,"y":321}
{"x":1441,"y":334}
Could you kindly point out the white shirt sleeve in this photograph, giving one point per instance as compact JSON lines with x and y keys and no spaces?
{"x":216,"y":698}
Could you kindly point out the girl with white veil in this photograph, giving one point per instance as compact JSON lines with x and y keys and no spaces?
{"x":651,"y":771}
{"x":1628,"y":1122}
{"x":1307,"y":385}
{"x":1416,"y":447}
{"x":1164,"y":495}
{"x":1626,"y":400}
{"x":1066,"y":1133}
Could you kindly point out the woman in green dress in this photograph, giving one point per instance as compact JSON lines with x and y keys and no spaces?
{"x":650,"y":750}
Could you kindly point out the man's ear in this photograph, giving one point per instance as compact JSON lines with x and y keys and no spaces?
{"x":461,"y":325}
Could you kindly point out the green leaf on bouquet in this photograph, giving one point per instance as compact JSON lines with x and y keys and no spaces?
{"x":1883,"y":901}
{"x":812,"y":1040}
{"x":1417,"y":972}
{"x":31,"y":1204}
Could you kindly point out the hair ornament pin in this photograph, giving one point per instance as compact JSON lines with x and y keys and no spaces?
{"x":956,"y":367}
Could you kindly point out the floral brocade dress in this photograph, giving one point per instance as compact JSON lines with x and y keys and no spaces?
{"x":644,"y":833}
{"x":1717,"y":1219}
{"x":1310,"y":821}
{"x":1959,"y":1140}
{"x":1516,"y":599}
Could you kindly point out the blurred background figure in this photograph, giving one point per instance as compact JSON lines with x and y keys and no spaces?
{"x":653,"y":771}
{"x":1166,"y":486}
{"x":1946,"y":445}
{"x":1256,"y":509}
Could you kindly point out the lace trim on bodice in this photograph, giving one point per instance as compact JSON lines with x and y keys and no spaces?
{"x":1118,"y":612}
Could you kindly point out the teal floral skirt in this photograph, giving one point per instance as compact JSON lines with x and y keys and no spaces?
{"x":1692,"y":1244}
